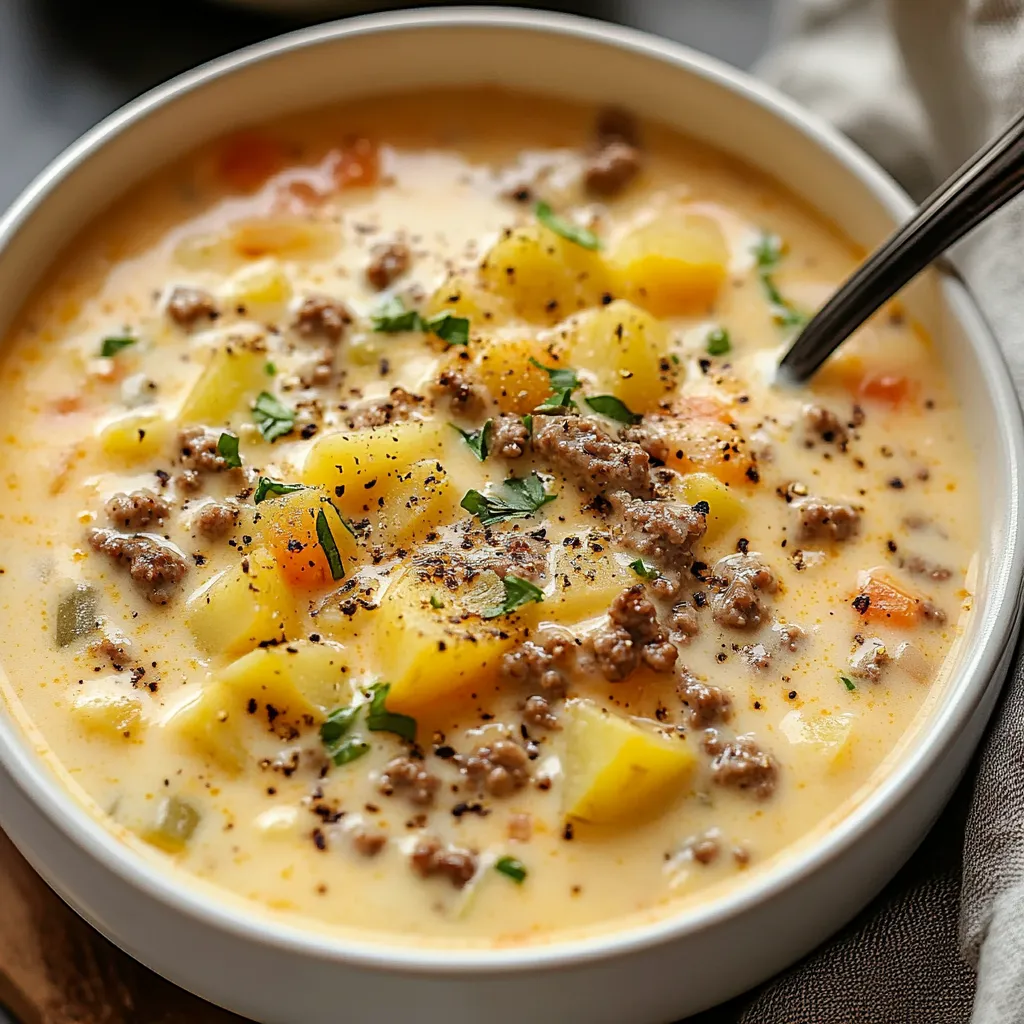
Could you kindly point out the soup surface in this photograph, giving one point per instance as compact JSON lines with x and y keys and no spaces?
{"x":401,"y":528}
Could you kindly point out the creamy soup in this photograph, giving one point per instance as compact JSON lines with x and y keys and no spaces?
{"x":402,"y":529}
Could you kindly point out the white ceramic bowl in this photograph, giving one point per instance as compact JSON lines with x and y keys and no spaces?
{"x":232,"y":954}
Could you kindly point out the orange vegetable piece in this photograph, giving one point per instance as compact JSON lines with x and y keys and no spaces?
{"x":298,"y":196}
{"x":356,"y":164}
{"x":247,"y":161}
{"x":891,"y":389}
{"x":881,"y":600}
{"x":703,"y":407}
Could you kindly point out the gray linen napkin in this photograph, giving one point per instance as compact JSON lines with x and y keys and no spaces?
{"x":922,"y":84}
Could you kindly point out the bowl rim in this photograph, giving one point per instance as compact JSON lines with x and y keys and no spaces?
{"x":48,"y":795}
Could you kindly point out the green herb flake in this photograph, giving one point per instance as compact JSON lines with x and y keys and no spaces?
{"x":523,"y":498}
{"x":115,"y":343}
{"x":394,"y":318}
{"x":333,"y":731}
{"x":272,"y":417}
{"x":517,"y":593}
{"x":270,"y":369}
{"x":479,"y":441}
{"x":718,"y":342}
{"x":569,"y":231}
{"x":514,"y":869}
{"x":268,"y":488}
{"x":436,"y":602}
{"x":768,"y":253}
{"x":558,"y":400}
{"x":643,"y":570}
{"x":448,"y":327}
{"x":561,"y":377}
{"x":847,"y":682}
{"x":379,"y":719}
{"x":528,"y":423}
{"x":227,"y":449}
{"x":329,"y":545}
{"x":614,"y":408}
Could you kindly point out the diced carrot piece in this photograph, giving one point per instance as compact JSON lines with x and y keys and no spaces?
{"x":297,"y":552}
{"x":356,"y":164}
{"x":247,"y":161}
{"x":703,"y":407}
{"x":889,"y":388}
{"x":708,"y":446}
{"x":881,"y":600}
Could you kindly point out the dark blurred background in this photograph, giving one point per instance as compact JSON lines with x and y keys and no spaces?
{"x":66,"y":64}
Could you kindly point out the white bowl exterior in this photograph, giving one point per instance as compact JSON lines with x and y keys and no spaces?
{"x":661,"y":972}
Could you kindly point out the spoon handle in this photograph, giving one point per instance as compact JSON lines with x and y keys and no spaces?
{"x":990,"y":180}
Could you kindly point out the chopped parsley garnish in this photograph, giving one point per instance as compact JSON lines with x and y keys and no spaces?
{"x":528,"y":423}
{"x":561,"y":377}
{"x":270,"y":369}
{"x":523,"y":497}
{"x":768,"y":253}
{"x":517,"y":593}
{"x":379,"y":719}
{"x":847,"y":682}
{"x":643,"y":570}
{"x":227,"y":449}
{"x":614,"y":408}
{"x":479,"y":441}
{"x":333,"y":731}
{"x":394,"y":318}
{"x":329,"y":546}
{"x":113,"y":344}
{"x":436,"y":602}
{"x":718,"y":342}
{"x":272,"y":417}
{"x":569,"y":231}
{"x":267,"y":488}
{"x":514,"y":869}
{"x":558,"y":400}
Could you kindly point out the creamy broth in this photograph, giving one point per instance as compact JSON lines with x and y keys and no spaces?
{"x":785,"y":571}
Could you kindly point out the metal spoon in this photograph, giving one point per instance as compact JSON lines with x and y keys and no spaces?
{"x":983,"y":185}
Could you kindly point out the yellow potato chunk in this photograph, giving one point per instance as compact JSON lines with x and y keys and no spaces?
{"x":829,"y":737}
{"x":625,"y":348}
{"x":503,"y":366}
{"x":434,"y":655}
{"x":465,"y":295}
{"x":293,"y":686}
{"x":617,"y":770}
{"x":545,"y":277}
{"x":584,"y":582}
{"x":727,"y":508}
{"x":421,"y":501}
{"x":362,"y":469}
{"x":135,"y":437}
{"x":105,"y":712}
{"x":261,"y":288}
{"x":232,"y":378}
{"x":237,"y":609}
{"x":673,"y":266}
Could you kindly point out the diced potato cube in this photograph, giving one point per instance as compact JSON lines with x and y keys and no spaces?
{"x":231,"y":379}
{"x":544,"y":276}
{"x":350,"y":614}
{"x":829,"y":737}
{"x":286,"y":525}
{"x":434,"y":655}
{"x":108,"y":713}
{"x":237,"y":609}
{"x":701,"y":437}
{"x":261,"y":288}
{"x":672,"y":266}
{"x":727,"y":508}
{"x":465,"y":295}
{"x":176,"y":820}
{"x":617,"y":770}
{"x":422,"y":500}
{"x":503,"y":366}
{"x":294,"y":685}
{"x":136,"y":437}
{"x":360,"y":469}
{"x":626,"y":349}
{"x":584,"y":583}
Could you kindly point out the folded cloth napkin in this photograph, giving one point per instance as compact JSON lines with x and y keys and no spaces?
{"x":921,"y":85}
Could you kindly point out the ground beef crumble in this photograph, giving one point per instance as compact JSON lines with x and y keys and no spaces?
{"x":388,"y":262}
{"x":742,"y":764}
{"x":616,"y":159}
{"x":510,"y":437}
{"x":593,"y":459}
{"x":664,"y":531}
{"x":868,"y":660}
{"x":431,"y":858}
{"x":632,"y":636}
{"x":216,"y":518}
{"x":462,"y":393}
{"x":825,"y":424}
{"x":500,"y":767}
{"x":187,"y":305}
{"x":136,"y":511}
{"x":399,"y":407}
{"x":369,"y":842}
{"x":544,"y":662}
{"x":706,"y":705}
{"x":320,"y":315}
{"x":155,"y":566}
{"x":538,"y":714}
{"x":742,"y":580}
{"x":825,"y":520}
{"x":409,"y":776}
